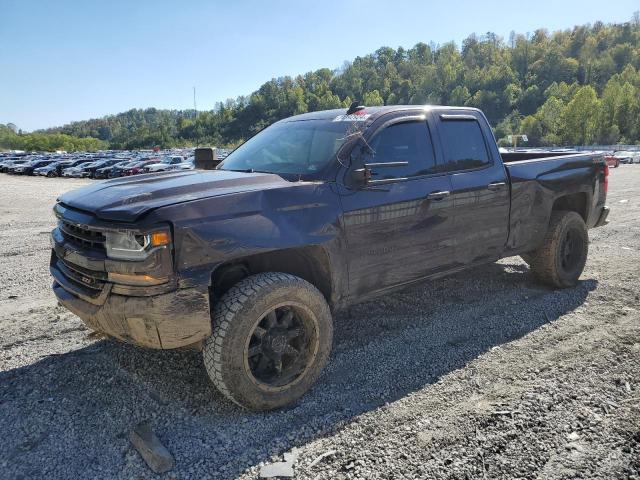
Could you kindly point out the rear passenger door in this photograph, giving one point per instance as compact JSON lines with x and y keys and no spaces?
{"x":479,"y":186}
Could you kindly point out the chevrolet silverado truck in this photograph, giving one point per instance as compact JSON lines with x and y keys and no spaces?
{"x":248,"y":261}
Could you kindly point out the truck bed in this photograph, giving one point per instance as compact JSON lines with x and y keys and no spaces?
{"x":538,"y":178}
{"x":512,"y":157}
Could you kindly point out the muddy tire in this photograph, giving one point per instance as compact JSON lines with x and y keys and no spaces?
{"x":272,"y":335}
{"x":560,"y":259}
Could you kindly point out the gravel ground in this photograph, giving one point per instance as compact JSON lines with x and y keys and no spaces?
{"x":481,"y":375}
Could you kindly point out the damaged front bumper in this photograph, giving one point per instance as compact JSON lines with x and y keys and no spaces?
{"x":171,"y":320}
{"x":164,"y":316}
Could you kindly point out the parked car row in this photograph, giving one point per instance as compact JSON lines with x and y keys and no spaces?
{"x":101,"y":165}
{"x":623,"y":156}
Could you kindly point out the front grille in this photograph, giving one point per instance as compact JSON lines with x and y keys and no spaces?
{"x":84,"y":237}
{"x":82,"y":276}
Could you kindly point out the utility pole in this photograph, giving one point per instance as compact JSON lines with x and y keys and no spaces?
{"x":195,"y":109}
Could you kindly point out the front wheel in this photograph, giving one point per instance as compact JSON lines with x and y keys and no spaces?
{"x":561,"y":258}
{"x":272,"y":335}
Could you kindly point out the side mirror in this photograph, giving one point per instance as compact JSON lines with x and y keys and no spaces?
{"x":206,"y":158}
{"x":363,"y":177}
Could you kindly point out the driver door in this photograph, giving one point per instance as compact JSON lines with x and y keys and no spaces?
{"x":401,"y":231}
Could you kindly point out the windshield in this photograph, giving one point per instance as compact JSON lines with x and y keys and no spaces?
{"x":298,"y":147}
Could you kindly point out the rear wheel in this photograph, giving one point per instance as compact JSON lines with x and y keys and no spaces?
{"x":272,"y":335}
{"x":561,"y":258}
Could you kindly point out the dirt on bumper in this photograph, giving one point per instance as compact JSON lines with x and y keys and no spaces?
{"x":171,"y":320}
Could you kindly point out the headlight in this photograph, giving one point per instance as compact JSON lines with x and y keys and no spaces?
{"x":128,"y":246}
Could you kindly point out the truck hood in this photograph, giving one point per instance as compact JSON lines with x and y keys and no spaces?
{"x":126,"y":199}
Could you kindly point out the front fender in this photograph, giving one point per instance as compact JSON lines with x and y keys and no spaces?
{"x":212,"y":231}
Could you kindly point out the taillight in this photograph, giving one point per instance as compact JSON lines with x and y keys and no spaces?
{"x":606,"y":178}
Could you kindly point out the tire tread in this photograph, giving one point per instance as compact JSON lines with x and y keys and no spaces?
{"x":224,"y":314}
{"x":543,"y":260}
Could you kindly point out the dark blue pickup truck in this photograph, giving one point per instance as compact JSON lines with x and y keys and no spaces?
{"x":249,"y":260}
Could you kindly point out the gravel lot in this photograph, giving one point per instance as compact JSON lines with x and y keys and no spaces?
{"x":481,"y":375}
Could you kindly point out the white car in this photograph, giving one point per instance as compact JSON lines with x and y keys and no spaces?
{"x":188,"y":165}
{"x":627,"y":156}
{"x":164,"y":164}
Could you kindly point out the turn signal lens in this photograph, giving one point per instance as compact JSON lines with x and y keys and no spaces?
{"x":135,"y":279}
{"x":159,"y":238}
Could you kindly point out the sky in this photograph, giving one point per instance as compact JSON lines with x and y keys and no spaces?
{"x":73,"y":60}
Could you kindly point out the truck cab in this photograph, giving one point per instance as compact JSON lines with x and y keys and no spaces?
{"x":448,"y":206}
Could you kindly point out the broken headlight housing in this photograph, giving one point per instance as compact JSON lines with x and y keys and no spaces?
{"x":124,"y":245}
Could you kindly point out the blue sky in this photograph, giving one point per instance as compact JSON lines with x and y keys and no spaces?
{"x":73,"y":60}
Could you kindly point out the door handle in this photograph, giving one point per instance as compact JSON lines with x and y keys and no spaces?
{"x":496,"y":186}
{"x":438,"y":195}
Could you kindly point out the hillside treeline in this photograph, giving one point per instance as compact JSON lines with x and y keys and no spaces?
{"x":46,"y":142}
{"x":576,"y":86}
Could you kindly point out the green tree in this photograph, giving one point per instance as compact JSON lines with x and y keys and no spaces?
{"x":550,"y":117}
{"x":373,"y":98}
{"x":579,"y":119}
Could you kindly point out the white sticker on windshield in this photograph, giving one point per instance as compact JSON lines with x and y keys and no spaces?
{"x":352,"y":118}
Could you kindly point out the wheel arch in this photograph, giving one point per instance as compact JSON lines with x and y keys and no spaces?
{"x":311,"y":263}
{"x":574,"y":202}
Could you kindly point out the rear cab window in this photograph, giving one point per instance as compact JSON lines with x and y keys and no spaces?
{"x":463,"y":143}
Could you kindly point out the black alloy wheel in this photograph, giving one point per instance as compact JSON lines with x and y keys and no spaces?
{"x":271,"y":337}
{"x":280,"y":347}
{"x":571,"y":251}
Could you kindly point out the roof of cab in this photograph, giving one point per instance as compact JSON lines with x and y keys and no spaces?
{"x":374,"y":112}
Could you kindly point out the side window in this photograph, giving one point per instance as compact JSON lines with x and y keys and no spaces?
{"x":403,"y":142}
{"x":463,"y":145}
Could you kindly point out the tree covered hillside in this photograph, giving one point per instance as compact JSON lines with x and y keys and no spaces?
{"x":577,"y":86}
{"x":11,"y":139}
